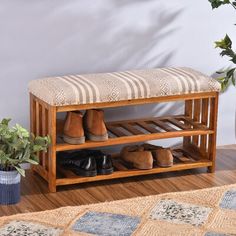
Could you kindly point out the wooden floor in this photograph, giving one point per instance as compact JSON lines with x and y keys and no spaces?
{"x":35,"y":196}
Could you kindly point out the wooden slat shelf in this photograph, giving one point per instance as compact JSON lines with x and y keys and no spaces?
{"x":181,"y":162}
{"x":141,"y":130}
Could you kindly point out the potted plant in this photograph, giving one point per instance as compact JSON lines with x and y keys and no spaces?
{"x":17,"y":146}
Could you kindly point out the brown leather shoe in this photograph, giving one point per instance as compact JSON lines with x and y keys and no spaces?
{"x":94,"y":125}
{"x":163,"y":156}
{"x":73,"y":128}
{"x":138,"y":157}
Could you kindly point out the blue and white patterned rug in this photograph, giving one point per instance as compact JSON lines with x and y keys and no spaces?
{"x":207,"y":212}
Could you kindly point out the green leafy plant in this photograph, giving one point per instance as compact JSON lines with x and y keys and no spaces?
{"x":227,"y":76}
{"x":18,"y":146}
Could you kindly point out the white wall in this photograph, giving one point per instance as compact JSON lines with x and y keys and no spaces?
{"x":56,"y":37}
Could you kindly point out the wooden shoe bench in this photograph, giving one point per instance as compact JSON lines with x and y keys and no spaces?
{"x":197,"y":126}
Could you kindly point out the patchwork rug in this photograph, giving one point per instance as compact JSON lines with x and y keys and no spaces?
{"x":207,"y":212}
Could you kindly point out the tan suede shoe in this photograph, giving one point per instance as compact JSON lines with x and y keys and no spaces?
{"x":136,"y":156}
{"x":163,"y":156}
{"x":73,"y":128}
{"x":94,"y":125}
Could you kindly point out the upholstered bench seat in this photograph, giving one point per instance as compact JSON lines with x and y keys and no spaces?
{"x":118,"y":86}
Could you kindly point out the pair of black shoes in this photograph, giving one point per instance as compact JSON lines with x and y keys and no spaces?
{"x":87,"y":163}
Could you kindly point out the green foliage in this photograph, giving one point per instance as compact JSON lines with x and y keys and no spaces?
{"x":227,"y":76}
{"x":218,"y":3}
{"x":18,"y":146}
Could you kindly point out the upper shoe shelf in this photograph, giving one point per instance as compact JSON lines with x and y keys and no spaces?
{"x":140,"y":130}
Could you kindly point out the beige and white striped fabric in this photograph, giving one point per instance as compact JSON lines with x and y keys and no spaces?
{"x":117,"y":86}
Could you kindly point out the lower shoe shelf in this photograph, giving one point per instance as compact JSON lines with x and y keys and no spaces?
{"x":183,"y":159}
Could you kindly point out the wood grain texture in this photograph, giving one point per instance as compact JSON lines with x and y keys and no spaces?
{"x":52,"y":149}
{"x":188,"y":111}
{"x":32,"y":116}
{"x":213,"y":125}
{"x":131,"y":129}
{"x":196,"y":117}
{"x":44,"y":132}
{"x":36,"y":197}
{"x":147,"y":126}
{"x":204,"y":121}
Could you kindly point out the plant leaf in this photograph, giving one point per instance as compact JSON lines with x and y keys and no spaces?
{"x":224,"y":43}
{"x":31,"y":161}
{"x":20,"y":170}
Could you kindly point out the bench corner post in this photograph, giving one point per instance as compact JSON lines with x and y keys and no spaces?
{"x":52,"y":149}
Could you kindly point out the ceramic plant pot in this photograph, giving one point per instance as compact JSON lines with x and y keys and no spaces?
{"x":9,"y":187}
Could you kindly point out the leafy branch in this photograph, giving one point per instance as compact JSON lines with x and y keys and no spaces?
{"x":228,"y":75}
{"x":218,"y":3}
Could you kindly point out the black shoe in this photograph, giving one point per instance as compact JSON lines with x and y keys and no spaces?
{"x":79,"y":162}
{"x":103,"y":161}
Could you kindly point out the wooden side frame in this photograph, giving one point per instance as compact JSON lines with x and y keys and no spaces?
{"x":43,"y":122}
{"x":204,"y":110}
{"x":202,"y":107}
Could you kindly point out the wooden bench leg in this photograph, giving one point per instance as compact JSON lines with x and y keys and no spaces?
{"x":52,"y":150}
{"x":32,"y":119}
{"x":212,"y":152}
{"x":52,"y":172}
{"x":212,"y":137}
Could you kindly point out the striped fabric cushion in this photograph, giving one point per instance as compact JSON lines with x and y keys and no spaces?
{"x":117,"y":86}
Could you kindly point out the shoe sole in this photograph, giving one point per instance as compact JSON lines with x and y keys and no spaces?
{"x":85,"y":173}
{"x":106,"y":171}
{"x":71,"y":140}
{"x":80,"y":172}
{"x":97,"y":138}
{"x":165,"y":166}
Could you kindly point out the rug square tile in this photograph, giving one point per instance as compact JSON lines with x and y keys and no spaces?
{"x":106,"y":224}
{"x":229,"y":200}
{"x":180,"y":213}
{"x":18,"y":227}
{"x":224,"y":222}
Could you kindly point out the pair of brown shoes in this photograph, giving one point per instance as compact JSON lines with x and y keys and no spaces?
{"x":142,"y":157}
{"x":91,"y":125}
